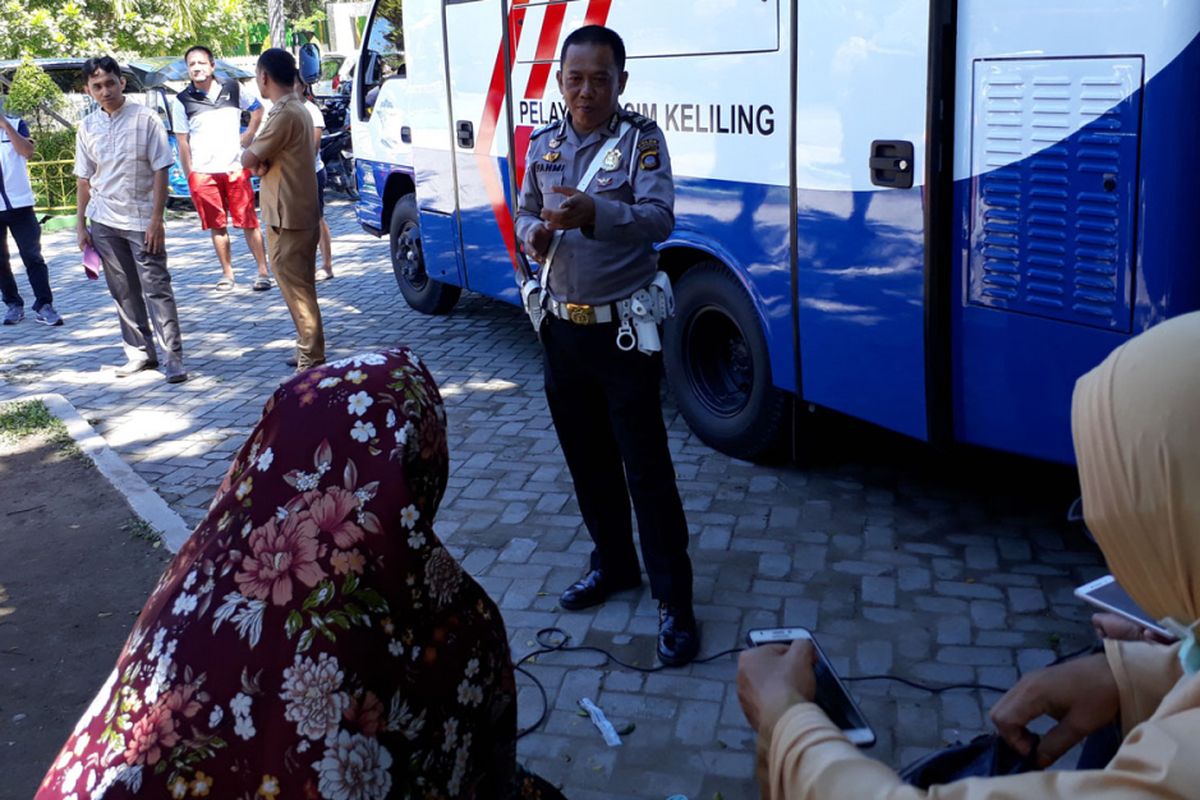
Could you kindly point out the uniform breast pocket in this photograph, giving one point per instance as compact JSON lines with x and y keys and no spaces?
{"x":612,"y":186}
{"x":547,"y":179}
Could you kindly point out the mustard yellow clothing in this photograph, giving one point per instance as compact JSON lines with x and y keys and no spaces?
{"x":1136,"y":424}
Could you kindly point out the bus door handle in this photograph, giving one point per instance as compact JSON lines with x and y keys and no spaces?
{"x":891,"y":164}
{"x":406,"y":135}
{"x":466,"y":134}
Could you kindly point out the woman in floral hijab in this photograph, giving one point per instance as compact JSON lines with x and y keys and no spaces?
{"x":313,"y":639}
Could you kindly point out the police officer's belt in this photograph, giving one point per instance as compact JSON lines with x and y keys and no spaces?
{"x":581,"y":314}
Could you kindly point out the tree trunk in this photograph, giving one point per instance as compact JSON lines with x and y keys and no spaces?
{"x":275,"y":20}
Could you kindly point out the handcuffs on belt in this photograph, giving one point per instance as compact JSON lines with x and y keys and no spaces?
{"x":640,"y":314}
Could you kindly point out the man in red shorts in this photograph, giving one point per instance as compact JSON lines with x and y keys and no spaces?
{"x":206,"y":118}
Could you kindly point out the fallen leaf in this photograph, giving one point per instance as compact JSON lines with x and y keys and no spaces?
{"x":581,"y":713}
{"x":104,"y":614}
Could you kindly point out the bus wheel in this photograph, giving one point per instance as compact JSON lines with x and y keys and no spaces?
{"x":716,"y":360}
{"x":408,"y":262}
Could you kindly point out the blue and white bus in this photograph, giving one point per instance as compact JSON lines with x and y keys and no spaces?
{"x":933,"y":215}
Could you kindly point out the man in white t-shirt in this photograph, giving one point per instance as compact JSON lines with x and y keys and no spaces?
{"x":17,"y":217}
{"x":206,"y":118}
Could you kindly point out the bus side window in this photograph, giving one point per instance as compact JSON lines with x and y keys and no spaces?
{"x":383,"y":58}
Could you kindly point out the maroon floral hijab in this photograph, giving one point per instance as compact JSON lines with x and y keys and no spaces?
{"x":313,"y":638}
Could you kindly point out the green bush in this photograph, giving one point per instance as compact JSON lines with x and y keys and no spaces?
{"x":54,"y":145}
{"x":32,"y":92}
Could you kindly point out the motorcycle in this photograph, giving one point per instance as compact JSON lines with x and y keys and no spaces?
{"x":338,"y":157}
{"x":337,"y":153}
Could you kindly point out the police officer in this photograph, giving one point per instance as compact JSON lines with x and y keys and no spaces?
{"x":596,"y":197}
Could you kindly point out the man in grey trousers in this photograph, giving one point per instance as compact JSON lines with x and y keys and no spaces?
{"x":121,"y":161}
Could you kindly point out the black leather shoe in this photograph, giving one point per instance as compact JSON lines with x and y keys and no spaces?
{"x":678,"y":638}
{"x":593,"y":589}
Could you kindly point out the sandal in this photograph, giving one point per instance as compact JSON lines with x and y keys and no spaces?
{"x":225,"y":285}
{"x":324,"y":276}
{"x":261,"y":284}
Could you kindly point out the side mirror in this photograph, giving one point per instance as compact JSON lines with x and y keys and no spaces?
{"x":310,"y":63}
{"x":372,"y":70}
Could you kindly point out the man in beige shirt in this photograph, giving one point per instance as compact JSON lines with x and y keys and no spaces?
{"x":121,"y":162}
{"x":282,"y":157}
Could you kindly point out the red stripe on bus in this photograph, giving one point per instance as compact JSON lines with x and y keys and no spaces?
{"x":597,"y":13}
{"x":483,"y":144}
{"x":547,"y":50}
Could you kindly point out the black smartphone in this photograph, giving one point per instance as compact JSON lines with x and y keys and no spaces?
{"x":832,"y":696}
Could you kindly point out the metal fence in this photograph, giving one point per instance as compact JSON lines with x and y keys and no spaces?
{"x":53,"y":185}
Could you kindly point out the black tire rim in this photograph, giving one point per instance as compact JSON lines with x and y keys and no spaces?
{"x":720,"y":367}
{"x":406,"y":257}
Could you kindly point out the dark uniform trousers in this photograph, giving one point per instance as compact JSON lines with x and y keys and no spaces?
{"x":606,"y":408}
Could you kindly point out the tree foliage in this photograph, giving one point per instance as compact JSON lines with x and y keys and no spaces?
{"x":66,"y":28}
{"x":32,"y":92}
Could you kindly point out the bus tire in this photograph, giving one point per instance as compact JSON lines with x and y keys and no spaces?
{"x":716,"y":361}
{"x":421,"y":292}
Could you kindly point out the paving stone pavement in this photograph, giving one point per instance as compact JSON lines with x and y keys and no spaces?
{"x":936,"y":567}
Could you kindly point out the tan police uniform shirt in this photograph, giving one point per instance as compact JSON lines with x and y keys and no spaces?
{"x":288,"y":192}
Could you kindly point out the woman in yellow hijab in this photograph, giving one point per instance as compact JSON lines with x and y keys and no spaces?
{"x":1136,"y":423}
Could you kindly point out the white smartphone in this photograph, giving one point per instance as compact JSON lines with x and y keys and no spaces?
{"x":832,"y":696}
{"x":1107,"y":594}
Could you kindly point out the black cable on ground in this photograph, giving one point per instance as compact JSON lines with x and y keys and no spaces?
{"x":560,"y":644}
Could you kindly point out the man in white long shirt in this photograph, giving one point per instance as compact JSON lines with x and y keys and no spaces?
{"x":121,"y":162}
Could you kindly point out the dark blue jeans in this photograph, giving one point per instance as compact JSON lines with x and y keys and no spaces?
{"x":28,"y":235}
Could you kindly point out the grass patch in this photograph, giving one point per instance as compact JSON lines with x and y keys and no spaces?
{"x":18,"y":420}
{"x":140,"y":529}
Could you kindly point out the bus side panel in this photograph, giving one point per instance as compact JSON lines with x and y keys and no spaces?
{"x":475,"y":38}
{"x":432,"y":145}
{"x":745,"y":225}
{"x":861,"y":78}
{"x":1073,"y":212}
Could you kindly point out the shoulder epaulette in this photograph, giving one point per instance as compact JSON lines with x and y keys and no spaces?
{"x":544,"y":129}
{"x":642,"y":123}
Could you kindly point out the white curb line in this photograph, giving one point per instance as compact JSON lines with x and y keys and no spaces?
{"x":144,"y":501}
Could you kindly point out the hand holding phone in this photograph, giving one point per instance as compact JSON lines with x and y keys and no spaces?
{"x":1105,"y":593}
{"x":772,"y":679}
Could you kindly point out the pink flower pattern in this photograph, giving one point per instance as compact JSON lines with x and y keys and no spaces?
{"x":329,"y":511}
{"x":278,"y":554}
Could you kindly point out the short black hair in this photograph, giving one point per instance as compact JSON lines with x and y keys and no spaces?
{"x":101,"y":64}
{"x":597,"y":34}
{"x":201,"y":49}
{"x":279,"y":65}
